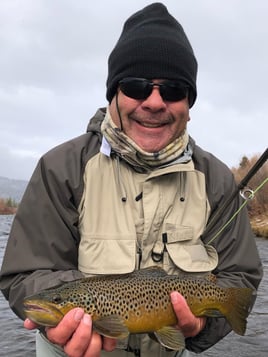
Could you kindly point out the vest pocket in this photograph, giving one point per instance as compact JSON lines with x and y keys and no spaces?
{"x":187,"y":254}
{"x":193,"y":258}
{"x":107,"y":255}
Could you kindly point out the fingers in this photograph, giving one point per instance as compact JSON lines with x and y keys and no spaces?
{"x":65,"y":329}
{"x":80,"y":347}
{"x":74,"y":333}
{"x":109,"y":344}
{"x":30,"y":325}
{"x":188,"y":323}
{"x":83,"y":342}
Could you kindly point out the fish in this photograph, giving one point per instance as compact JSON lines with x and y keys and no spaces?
{"x":139,"y":302}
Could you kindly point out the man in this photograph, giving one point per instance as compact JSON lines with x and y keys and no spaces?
{"x":132,"y":192}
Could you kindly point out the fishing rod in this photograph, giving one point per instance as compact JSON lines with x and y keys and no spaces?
{"x":253,"y":170}
{"x":249,"y":194}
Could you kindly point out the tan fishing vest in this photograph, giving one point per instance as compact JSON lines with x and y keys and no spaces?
{"x":158,"y":222}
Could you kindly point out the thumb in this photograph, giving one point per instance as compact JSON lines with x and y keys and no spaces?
{"x":188,"y":323}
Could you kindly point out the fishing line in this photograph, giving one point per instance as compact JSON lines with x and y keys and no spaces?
{"x":218,"y":213}
{"x":247,"y":199}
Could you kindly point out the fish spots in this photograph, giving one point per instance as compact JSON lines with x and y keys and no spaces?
{"x":140,"y":301}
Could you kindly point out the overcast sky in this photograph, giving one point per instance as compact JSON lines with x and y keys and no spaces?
{"x":53,"y":68}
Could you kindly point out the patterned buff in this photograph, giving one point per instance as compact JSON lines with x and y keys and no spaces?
{"x":176,"y":152}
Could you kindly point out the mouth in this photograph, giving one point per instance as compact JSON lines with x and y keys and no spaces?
{"x":42,"y":313}
{"x":152,"y":125}
{"x":29,"y":307}
{"x":153,"y":122}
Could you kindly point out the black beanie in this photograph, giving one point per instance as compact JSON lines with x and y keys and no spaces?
{"x":152,"y":45}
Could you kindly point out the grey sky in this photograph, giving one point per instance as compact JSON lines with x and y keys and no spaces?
{"x":53,"y":68}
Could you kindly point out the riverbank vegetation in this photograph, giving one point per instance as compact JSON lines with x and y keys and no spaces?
{"x":8,"y":206}
{"x":257,"y":206}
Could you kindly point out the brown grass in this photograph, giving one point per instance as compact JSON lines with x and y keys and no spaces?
{"x":259,"y":225}
{"x":258,"y":206}
{"x":7,"y":206}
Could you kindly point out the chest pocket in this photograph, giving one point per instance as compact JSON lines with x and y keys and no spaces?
{"x":182,"y":223}
{"x":106,"y":223}
{"x":188,"y":255}
{"x":106,"y":254}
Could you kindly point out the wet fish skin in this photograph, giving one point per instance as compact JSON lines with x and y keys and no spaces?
{"x":139,"y":302}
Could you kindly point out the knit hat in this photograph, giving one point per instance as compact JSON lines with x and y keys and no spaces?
{"x":152,"y":45}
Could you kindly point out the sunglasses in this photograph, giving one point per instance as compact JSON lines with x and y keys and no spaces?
{"x":141,"y":88}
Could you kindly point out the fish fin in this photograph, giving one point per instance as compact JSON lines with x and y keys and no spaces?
{"x":239,"y":308}
{"x":235,"y":308}
{"x":111,"y":326}
{"x":171,"y":338}
{"x":211,"y":313}
{"x":206,"y":277}
{"x":211,"y":278}
{"x":150,"y":271}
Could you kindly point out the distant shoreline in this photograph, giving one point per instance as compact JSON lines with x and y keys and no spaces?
{"x":6,"y":208}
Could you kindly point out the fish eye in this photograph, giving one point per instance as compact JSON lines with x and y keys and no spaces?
{"x":56,"y":299}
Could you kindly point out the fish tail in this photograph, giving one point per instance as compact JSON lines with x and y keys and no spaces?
{"x":237,"y":308}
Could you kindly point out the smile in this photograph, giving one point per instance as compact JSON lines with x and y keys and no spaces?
{"x":151,"y":124}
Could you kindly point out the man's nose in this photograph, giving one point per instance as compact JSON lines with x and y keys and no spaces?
{"x":154,"y":101}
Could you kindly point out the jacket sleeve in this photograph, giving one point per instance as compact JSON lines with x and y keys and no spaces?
{"x":239,"y":262}
{"x":42,"y":250}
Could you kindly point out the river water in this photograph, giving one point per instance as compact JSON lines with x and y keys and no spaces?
{"x":15,"y":341}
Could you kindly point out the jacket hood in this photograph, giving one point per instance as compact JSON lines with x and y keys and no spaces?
{"x":94,"y":124}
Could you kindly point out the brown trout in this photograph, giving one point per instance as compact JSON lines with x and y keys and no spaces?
{"x":139,"y":302}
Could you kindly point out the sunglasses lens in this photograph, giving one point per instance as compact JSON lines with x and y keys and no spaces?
{"x":136,"y":88}
{"x":140,"y":88}
{"x":173,"y":92}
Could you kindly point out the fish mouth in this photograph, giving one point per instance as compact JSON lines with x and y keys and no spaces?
{"x":35,"y":307}
{"x":42,"y":313}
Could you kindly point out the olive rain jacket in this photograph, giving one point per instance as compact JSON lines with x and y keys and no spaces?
{"x":85,"y":212}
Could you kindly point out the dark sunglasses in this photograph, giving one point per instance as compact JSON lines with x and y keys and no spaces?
{"x":141,"y":88}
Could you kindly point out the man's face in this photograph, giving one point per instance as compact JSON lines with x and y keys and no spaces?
{"x":152,"y":123}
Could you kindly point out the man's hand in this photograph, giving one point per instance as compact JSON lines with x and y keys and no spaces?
{"x":74,"y":333}
{"x":189,"y":324}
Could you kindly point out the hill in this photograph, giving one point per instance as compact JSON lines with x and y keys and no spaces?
{"x":11,"y":188}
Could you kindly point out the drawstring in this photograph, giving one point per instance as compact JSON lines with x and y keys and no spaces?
{"x":118,"y":111}
{"x":182,"y":185}
{"x":120,"y":183}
